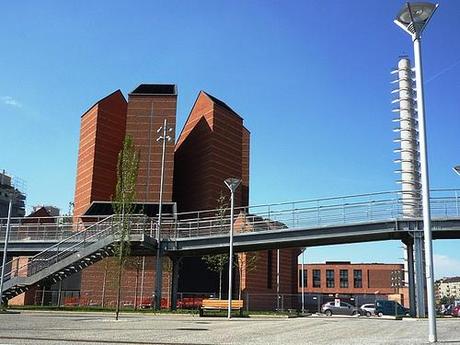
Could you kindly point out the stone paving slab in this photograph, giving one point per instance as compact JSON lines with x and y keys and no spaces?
{"x":146,"y":329}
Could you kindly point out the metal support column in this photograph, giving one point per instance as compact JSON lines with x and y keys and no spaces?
{"x":158,"y":277}
{"x":419,"y":274}
{"x":411,"y":275}
{"x":175,"y":281}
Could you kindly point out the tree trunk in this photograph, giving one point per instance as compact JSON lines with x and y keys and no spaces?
{"x":220,"y":284}
{"x":137,"y":285}
{"x":104,"y":282}
{"x":120,"y":268}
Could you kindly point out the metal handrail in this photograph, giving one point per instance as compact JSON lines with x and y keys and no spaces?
{"x":304,"y":214}
{"x":66,"y":247}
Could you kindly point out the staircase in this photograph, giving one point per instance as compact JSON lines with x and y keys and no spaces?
{"x":63,"y":259}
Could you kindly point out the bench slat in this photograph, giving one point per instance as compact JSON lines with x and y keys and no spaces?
{"x":221,"y":304}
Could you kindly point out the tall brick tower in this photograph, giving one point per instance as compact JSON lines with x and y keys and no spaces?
{"x":212,"y":146}
{"x":148,"y":106}
{"x":101,"y":138}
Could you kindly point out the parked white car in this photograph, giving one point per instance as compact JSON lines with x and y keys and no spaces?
{"x":367,"y":309}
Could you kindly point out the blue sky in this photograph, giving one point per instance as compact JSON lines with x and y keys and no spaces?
{"x":310,"y":78}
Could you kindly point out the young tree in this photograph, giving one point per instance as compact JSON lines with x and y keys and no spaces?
{"x":247,"y":262}
{"x":123,"y":206}
{"x":217,"y":263}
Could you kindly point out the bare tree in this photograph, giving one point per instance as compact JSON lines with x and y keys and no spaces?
{"x":245,"y":262}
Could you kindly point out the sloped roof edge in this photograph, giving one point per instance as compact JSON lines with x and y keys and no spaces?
{"x":103,"y":99}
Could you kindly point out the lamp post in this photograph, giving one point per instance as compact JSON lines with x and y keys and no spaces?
{"x":303,"y":280}
{"x":232,"y":184}
{"x":164,"y":138}
{"x":5,"y":249}
{"x":413,"y":18}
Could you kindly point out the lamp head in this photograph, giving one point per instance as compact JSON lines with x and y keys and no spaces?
{"x":232,"y":183}
{"x":414,"y":17}
{"x":457,"y":169}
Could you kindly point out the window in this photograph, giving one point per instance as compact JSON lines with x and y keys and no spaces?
{"x":358,"y":278}
{"x":304,"y":278}
{"x":329,"y":278}
{"x":344,"y":278}
{"x":316,"y":278}
{"x":269,"y":269}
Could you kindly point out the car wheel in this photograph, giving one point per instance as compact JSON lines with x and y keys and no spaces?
{"x":379,"y":314}
{"x":368,"y":313}
{"x":354,"y":313}
{"x":328,"y":312}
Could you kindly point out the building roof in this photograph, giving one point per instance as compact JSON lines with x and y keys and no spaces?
{"x":155,"y":89}
{"x":104,"y":98}
{"x":222,"y":104}
{"x":349,"y":263}
{"x":451,"y":280}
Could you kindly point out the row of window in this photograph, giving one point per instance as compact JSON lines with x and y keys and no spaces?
{"x":330,"y":278}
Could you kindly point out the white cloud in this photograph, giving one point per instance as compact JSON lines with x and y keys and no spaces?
{"x":445,"y":266}
{"x":8,"y":100}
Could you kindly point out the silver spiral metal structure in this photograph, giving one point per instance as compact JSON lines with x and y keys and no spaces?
{"x":409,"y":156}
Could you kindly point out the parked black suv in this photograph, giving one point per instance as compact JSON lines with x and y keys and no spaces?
{"x":383,"y":307}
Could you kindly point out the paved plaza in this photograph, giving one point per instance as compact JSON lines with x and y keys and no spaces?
{"x":101,"y":328}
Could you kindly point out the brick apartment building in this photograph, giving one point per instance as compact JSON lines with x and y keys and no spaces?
{"x":212,"y":146}
{"x":345,"y":278}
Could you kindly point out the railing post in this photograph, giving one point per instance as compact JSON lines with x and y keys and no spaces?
{"x":456,"y":203}
{"x":318,"y":213}
{"x":293,"y":214}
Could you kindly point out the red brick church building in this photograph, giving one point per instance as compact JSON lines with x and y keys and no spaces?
{"x":213,"y":145}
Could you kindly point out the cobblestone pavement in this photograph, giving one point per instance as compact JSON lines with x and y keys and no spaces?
{"x":101,"y":328}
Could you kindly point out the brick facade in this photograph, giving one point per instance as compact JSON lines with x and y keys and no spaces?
{"x":213,"y":145}
{"x":101,"y":137}
{"x":375,"y":278}
{"x":209,"y":150}
{"x":148,"y":106}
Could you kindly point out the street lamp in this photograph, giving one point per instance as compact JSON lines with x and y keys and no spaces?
{"x":232,"y":184}
{"x":164,"y":138}
{"x":456,"y":169}
{"x":413,"y":18}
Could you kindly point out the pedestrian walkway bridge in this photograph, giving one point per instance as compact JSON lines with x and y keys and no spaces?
{"x":51,"y":249}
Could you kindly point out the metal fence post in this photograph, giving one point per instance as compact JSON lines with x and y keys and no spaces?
{"x":247,"y":302}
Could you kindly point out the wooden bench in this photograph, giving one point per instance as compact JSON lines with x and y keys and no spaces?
{"x":221,"y":304}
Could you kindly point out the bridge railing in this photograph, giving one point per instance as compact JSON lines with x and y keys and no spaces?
{"x":45,"y":228}
{"x":363,"y":208}
{"x":25,"y":267}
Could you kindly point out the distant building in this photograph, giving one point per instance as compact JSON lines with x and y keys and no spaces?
{"x":343,"y":277}
{"x":8,"y":191}
{"x":448,"y":287}
{"x":51,"y":211}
